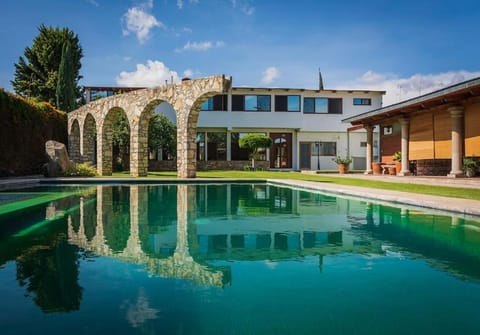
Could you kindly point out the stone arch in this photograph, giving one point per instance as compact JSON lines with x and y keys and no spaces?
{"x":89,"y":139}
{"x":105,"y":141}
{"x":74,"y":141}
{"x":187,"y":133}
{"x":186,"y":99}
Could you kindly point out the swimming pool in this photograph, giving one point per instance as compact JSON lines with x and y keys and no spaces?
{"x":232,"y":259}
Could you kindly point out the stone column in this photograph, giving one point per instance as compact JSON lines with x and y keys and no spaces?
{"x":139,"y":148}
{"x":456,"y":114}
{"x":104,"y":150}
{"x":229,"y":145}
{"x":405,"y":122}
{"x":369,"y":130}
{"x":186,"y":145}
{"x":74,"y":142}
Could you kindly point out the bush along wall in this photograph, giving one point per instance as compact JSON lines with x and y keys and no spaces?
{"x":25,"y":126}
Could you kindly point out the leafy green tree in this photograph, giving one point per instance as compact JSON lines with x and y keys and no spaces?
{"x":37,"y":73}
{"x":162,"y":134}
{"x":65,"y":93}
{"x":253,"y":142}
{"x":120,"y":141}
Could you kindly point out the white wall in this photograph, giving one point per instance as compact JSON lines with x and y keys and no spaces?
{"x":304,"y":127}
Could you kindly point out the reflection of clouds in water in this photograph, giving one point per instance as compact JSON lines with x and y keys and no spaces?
{"x":271,"y":265}
{"x":139,"y":312}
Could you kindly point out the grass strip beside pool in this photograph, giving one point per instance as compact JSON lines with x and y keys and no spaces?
{"x":444,"y":191}
{"x":36,"y":199}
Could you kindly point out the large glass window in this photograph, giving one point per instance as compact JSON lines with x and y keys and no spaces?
{"x":217,"y":146}
{"x":287,"y":103}
{"x":238,"y":103}
{"x":216,"y":103}
{"x":241,"y":154}
{"x":251,"y":103}
{"x":200,"y":146}
{"x":322,"y":105}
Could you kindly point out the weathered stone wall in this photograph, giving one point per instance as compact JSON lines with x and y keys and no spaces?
{"x":208,"y":165}
{"x":433,"y":167}
{"x":186,"y":98}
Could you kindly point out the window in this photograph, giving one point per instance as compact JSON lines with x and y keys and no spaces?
{"x":287,"y":103}
{"x":251,"y":103}
{"x":362,"y":101}
{"x":200,"y":146}
{"x":217,"y":146}
{"x":363,"y":144}
{"x":240,"y":154}
{"x":324,"y":148}
{"x":238,"y":103}
{"x":322,"y":105}
{"x":387,"y":130}
{"x":216,"y":103}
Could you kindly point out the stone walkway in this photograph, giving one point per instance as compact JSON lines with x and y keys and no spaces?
{"x":452,"y":205}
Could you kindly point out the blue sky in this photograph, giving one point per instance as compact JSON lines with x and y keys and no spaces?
{"x":405,"y":47}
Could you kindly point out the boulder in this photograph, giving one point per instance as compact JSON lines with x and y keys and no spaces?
{"x":58,"y":160}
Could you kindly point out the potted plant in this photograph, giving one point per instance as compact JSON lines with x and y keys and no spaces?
{"x":342,"y":163}
{"x":254,"y":142}
{"x":469,"y":166}
{"x":397,"y":158}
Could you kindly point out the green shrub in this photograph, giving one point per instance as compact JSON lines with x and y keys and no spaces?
{"x":81,"y":170}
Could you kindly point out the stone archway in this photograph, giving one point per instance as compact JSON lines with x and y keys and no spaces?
{"x":105,"y":141}
{"x":186,"y":98}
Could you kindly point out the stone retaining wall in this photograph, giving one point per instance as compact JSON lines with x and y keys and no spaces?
{"x":208,"y":165}
{"x":433,"y":167}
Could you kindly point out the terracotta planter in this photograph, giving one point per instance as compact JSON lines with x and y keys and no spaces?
{"x":377,"y":168}
{"x":342,"y":168}
{"x":398,"y":166}
{"x":392,"y":171}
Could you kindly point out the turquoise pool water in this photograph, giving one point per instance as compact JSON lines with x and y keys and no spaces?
{"x":233,"y":259}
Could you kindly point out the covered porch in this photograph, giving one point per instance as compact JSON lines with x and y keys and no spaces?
{"x":432,"y":133}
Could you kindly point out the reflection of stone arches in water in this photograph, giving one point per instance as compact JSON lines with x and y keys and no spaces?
{"x":180,"y":265}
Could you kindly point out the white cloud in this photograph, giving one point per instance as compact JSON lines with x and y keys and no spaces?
{"x":137,"y":20}
{"x":200,"y":46}
{"x":180,"y":3}
{"x":93,"y":2}
{"x":154,"y":73}
{"x":188,"y":73}
{"x":399,"y":89}
{"x":270,"y":74}
{"x":244,"y":6}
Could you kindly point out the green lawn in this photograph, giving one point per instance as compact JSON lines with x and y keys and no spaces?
{"x":446,"y":191}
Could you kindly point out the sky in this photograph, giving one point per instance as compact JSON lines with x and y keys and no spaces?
{"x":407,"y":48}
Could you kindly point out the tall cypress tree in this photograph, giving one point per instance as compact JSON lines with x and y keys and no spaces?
{"x":36,"y":73}
{"x":65,"y":93}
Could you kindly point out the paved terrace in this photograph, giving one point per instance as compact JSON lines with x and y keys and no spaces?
{"x":453,"y":205}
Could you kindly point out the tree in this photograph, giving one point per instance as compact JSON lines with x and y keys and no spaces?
{"x":162,"y":134}
{"x":37,"y":73}
{"x":253,"y":142}
{"x":65,"y":92}
{"x":120,"y":142}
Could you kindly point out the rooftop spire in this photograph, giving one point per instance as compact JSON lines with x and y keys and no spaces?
{"x":320,"y":80}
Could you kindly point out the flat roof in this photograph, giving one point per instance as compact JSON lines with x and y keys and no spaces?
{"x":242,"y":88}
{"x":286,"y":89}
{"x":445,"y":96}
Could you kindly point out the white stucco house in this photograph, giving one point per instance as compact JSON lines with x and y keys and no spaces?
{"x":305,"y":125}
